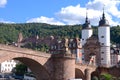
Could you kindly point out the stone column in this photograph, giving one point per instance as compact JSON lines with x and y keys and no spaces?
{"x":64,"y":66}
{"x":87,"y":74}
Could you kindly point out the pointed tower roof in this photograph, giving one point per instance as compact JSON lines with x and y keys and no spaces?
{"x":103,"y":21}
{"x":86,"y":25}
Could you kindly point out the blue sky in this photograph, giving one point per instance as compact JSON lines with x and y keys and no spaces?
{"x":58,"y":11}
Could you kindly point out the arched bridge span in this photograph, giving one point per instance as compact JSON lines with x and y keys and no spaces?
{"x":84,"y":71}
{"x":38,"y":62}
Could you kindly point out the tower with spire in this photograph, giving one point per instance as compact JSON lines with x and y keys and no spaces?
{"x":104,"y":39}
{"x":86,"y":33}
{"x":86,"y":30}
{"x":96,"y":49}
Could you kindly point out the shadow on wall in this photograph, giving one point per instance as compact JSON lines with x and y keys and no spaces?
{"x":79,"y":74}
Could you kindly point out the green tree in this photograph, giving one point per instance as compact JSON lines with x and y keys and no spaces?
{"x":105,"y":76}
{"x":9,"y":32}
{"x":20,"y":69}
{"x":95,"y":78}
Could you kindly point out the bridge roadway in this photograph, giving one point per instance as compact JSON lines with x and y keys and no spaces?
{"x":46,"y":67}
{"x":13,"y":52}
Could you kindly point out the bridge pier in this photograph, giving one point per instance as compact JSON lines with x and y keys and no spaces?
{"x":87,"y":74}
{"x":64,"y":66}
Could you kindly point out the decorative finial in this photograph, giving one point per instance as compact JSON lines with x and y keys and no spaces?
{"x":86,"y":15}
{"x":103,"y":17}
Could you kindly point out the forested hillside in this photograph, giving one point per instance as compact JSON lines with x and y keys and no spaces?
{"x":9,"y":32}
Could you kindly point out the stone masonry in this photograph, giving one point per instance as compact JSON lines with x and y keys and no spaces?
{"x":45,"y":66}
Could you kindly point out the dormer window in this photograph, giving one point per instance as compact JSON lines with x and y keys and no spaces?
{"x":55,"y":47}
{"x":52,"y":47}
{"x":74,"y":45}
{"x":58,"y":46}
{"x":69,"y":45}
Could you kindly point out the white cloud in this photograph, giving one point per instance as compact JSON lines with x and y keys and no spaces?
{"x":3,"y":3}
{"x":76,"y":14}
{"x":4,"y":21}
{"x":71,"y":14}
{"x":111,"y":9}
{"x":43,"y":19}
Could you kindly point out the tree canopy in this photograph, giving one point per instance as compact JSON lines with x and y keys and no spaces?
{"x":9,"y":32}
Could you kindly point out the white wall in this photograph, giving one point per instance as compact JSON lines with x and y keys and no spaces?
{"x":86,"y":33}
{"x":105,"y":32}
{"x":7,"y":66}
{"x":105,"y":56}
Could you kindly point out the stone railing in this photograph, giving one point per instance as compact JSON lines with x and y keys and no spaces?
{"x":23,"y":50}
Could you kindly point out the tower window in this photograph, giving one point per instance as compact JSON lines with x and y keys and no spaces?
{"x":102,"y":43}
{"x":101,"y":58}
{"x":102,"y":36}
{"x":102,"y":52}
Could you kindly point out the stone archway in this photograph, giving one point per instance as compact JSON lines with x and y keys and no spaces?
{"x":39,"y":63}
{"x":38,"y":70}
{"x":79,"y":73}
{"x":92,"y":58}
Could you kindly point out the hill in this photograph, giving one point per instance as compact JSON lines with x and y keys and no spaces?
{"x":9,"y":32}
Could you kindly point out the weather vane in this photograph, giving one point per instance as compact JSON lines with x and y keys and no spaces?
{"x":103,"y":7}
{"x":86,"y":12}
